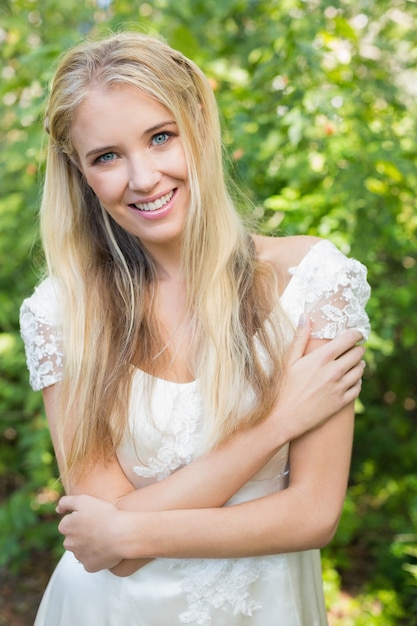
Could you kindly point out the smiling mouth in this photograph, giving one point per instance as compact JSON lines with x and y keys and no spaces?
{"x":159,"y":203}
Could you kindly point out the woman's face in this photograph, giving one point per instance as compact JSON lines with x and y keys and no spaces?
{"x":132,"y":157}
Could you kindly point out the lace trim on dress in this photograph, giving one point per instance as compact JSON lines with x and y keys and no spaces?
{"x":335,"y":291}
{"x":180,"y":439}
{"x":222,"y":584}
{"x":43,"y":348}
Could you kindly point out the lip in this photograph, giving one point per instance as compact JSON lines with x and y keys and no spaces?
{"x":156,"y":213}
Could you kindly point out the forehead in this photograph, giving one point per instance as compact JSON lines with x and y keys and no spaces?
{"x":117,"y":99}
{"x":107,"y":113}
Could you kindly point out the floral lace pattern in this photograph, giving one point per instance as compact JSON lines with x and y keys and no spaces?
{"x":222,"y":584}
{"x":334,"y":291}
{"x":181,"y":436}
{"x":41,"y":332}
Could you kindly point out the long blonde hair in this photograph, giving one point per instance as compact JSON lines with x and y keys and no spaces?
{"x":108,"y":279}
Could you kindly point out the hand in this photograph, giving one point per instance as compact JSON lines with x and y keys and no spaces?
{"x":90,"y":527}
{"x":321,"y":382}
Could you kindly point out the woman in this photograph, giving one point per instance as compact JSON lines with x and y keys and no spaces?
{"x":173,"y":410}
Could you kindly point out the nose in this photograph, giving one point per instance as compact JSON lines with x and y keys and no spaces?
{"x":143,"y":173}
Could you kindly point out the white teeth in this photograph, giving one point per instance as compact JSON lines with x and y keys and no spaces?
{"x":153,"y":206}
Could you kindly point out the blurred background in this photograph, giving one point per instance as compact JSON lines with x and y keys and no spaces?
{"x":318,"y":103}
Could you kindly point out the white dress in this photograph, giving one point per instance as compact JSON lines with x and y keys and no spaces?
{"x":276,"y":590}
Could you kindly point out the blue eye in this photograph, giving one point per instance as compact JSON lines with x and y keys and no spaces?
{"x":160,"y":138}
{"x":105,"y":158}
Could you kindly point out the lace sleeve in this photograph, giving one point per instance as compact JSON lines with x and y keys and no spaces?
{"x":334,"y":290}
{"x":40,"y":329}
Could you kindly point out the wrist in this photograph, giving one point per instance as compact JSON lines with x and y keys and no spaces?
{"x":125,"y":535}
{"x":135,"y":531}
{"x":273,"y":432}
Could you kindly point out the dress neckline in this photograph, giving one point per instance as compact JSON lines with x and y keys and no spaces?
{"x":194,"y":382}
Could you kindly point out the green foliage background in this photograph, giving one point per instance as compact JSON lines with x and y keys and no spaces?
{"x":318,"y":100}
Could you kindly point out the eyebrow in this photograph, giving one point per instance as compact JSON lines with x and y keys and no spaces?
{"x":148,"y":131}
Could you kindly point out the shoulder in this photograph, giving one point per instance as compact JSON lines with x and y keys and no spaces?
{"x":44,"y":302}
{"x":284,"y":252}
{"x":321,"y":281}
{"x":40,"y":328}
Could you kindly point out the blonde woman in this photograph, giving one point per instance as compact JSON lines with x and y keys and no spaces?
{"x":203,"y":450}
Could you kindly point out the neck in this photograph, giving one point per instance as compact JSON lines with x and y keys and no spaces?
{"x":167,"y":261}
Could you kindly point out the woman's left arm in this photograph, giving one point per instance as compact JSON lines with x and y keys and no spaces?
{"x":312,"y":504}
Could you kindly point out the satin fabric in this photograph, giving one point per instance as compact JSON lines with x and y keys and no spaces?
{"x":153,"y":596}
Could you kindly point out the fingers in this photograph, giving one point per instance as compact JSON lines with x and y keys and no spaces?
{"x":300,"y":340}
{"x":351,"y":359}
{"x":354,"y":376}
{"x":67,"y":504}
{"x":344,"y":342}
{"x":333,"y":350}
{"x":353,"y":392}
{"x":351,"y":383}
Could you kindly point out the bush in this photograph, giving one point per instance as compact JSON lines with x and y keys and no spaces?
{"x":319,"y":116}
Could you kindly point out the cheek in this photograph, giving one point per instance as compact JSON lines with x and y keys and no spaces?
{"x":181,"y":165}
{"x":105,"y":186}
